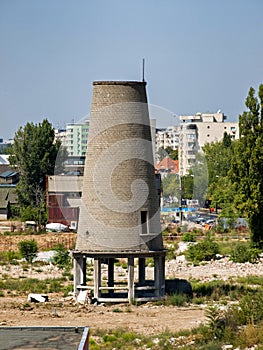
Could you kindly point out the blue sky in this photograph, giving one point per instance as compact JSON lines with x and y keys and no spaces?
{"x":201,"y":55}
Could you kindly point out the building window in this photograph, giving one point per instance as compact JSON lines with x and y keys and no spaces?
{"x":144,"y":221}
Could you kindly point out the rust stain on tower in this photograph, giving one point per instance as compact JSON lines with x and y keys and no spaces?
{"x":119,"y":216}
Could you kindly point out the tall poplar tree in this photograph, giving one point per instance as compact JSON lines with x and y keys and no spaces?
{"x":34,"y":155}
{"x":246,"y":171}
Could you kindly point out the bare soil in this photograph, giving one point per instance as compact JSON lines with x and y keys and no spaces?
{"x":147,"y":318}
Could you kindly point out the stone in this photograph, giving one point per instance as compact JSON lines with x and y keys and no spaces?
{"x":37,"y":298}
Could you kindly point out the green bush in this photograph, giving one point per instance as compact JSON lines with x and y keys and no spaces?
{"x":9,"y":256}
{"x":33,"y":285}
{"x":205,"y":250}
{"x":61,"y":257}
{"x":242,"y":254}
{"x":177,"y":299}
{"x":188,"y":237}
{"x":171,"y":251}
{"x":28,"y":249}
{"x":250,"y":308}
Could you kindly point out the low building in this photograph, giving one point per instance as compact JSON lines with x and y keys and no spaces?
{"x":9,"y":177}
{"x":167,"y":166}
{"x":64,"y":194}
{"x":64,"y":199}
{"x":7,"y":198}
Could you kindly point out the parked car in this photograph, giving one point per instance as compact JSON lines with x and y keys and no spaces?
{"x":200,"y":220}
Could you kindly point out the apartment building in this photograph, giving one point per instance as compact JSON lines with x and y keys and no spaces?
{"x":4,"y":144}
{"x":193,"y":132}
{"x":61,"y":135}
{"x":199,"y":129}
{"x":166,"y":138}
{"x":77,"y":138}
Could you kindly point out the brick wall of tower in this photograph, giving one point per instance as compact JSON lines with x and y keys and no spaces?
{"x":119,"y":168}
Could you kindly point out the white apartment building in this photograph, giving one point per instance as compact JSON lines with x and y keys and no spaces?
{"x":199,"y":129}
{"x":168,"y":137}
{"x":192,"y":134}
{"x":61,"y":134}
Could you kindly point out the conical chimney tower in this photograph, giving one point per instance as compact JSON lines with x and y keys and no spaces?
{"x":120,"y":214}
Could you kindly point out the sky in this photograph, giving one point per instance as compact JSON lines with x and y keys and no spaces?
{"x":200,"y":56}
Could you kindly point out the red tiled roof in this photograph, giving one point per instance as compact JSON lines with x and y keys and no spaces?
{"x":168,"y":164}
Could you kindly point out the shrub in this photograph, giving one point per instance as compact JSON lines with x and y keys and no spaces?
{"x":205,"y":250}
{"x":242,"y":254}
{"x":9,"y":256}
{"x":28,"y":249}
{"x":170,"y":255}
{"x":177,"y":299}
{"x":61,"y":257}
{"x":250,"y":308}
{"x":188,"y":237}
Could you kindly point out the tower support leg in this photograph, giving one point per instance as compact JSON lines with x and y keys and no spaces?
{"x":97,"y":278}
{"x":111,"y":275}
{"x":131,"y":280}
{"x":141,"y":271}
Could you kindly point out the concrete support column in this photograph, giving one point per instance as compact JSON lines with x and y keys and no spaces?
{"x":79,"y":272}
{"x":97,"y":278}
{"x":141,"y":270}
{"x":83,"y":271}
{"x":158,"y":275}
{"x":131,"y":280}
{"x":163,"y":276}
{"x":111,"y":274}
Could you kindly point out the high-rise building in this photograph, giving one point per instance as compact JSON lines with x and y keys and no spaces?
{"x":166,"y":138}
{"x":61,"y":135}
{"x":77,"y":138}
{"x":193,"y":132}
{"x":199,"y":129}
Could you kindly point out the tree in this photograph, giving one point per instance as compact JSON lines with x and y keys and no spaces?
{"x":61,"y":257}
{"x":28,"y":249}
{"x":168,"y":151}
{"x":170,"y":184}
{"x":187,"y":186}
{"x":172,"y":153}
{"x":34,"y":154}
{"x":218,"y":159}
{"x":199,"y":173}
{"x":247,"y":166}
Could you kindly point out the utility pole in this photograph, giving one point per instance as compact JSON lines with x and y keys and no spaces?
{"x":180,"y":201}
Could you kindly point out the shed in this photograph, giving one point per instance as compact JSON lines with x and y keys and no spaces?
{"x":7,"y":197}
{"x":9,"y":177}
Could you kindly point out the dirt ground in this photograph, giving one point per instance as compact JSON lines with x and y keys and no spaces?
{"x":64,"y":311}
{"x":146,"y":319}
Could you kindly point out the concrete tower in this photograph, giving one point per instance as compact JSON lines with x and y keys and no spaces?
{"x":119,"y":216}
